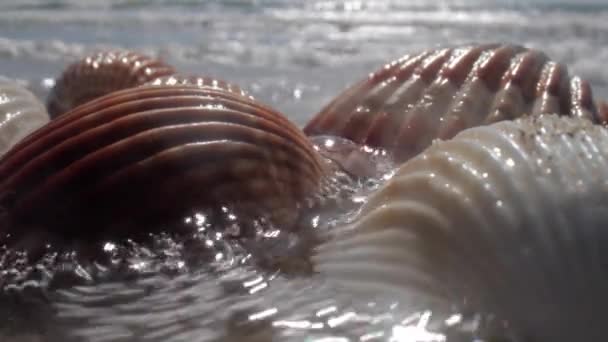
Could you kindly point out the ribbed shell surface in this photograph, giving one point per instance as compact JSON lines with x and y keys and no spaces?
{"x":200,"y":81}
{"x":102,"y":73}
{"x":20,"y":113}
{"x":511,"y":217}
{"x":149,"y":154}
{"x":435,"y":94}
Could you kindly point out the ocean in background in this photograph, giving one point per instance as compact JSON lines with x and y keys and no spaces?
{"x":293,"y":54}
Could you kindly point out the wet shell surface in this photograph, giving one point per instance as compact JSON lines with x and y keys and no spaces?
{"x":436,"y":94}
{"x":20,"y":113}
{"x":603,"y":111}
{"x":511,"y":218}
{"x":102,"y":73}
{"x":200,"y":81}
{"x":151,"y":154}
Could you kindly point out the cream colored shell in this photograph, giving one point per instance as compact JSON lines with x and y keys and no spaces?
{"x":20,"y":113}
{"x":511,"y":218}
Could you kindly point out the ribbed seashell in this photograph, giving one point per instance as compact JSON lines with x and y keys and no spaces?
{"x":101,"y":73}
{"x":20,"y":113}
{"x":150,"y":154}
{"x":200,"y":81}
{"x":511,"y":218}
{"x":435,"y":94}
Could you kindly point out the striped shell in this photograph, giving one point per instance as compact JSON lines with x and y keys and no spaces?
{"x":153,"y":154}
{"x":200,"y":81}
{"x":435,"y":94}
{"x":102,"y":73}
{"x":512,"y":217}
{"x":20,"y":113}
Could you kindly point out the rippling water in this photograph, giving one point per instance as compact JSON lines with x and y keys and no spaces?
{"x":294,"y":55}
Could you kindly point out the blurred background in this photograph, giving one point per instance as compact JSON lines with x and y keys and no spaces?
{"x":293,"y":54}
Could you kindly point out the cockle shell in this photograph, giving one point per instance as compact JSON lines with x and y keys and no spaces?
{"x":102,"y":73}
{"x":201,"y":81}
{"x":20,"y":113}
{"x":435,"y":94}
{"x":150,"y":154}
{"x":511,"y":217}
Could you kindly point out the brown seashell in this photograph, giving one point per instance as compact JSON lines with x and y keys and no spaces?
{"x":602,"y":109}
{"x":200,"y":81}
{"x":102,"y":73}
{"x":147,"y":155}
{"x":436,"y":94}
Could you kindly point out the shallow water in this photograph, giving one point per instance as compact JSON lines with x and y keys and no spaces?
{"x":207,"y":287}
{"x":213,"y":286}
{"x":294,"y":55}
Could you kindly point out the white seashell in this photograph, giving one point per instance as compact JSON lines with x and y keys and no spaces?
{"x":511,"y":218}
{"x":435,"y":94}
{"x":20,"y":113}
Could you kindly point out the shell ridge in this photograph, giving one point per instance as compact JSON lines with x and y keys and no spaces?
{"x":582,"y":99}
{"x":92,"y":154}
{"x":165,"y":157}
{"x":103,"y":125}
{"x":424,"y":189}
{"x":477,"y":201}
{"x":548,"y":89}
{"x":581,"y":248}
{"x":158,"y":136}
{"x":21,"y":113}
{"x":522,"y":180}
{"x":78,"y":113}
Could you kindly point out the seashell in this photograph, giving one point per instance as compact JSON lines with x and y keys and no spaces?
{"x":602,"y":108}
{"x":511,"y":217}
{"x":435,"y":94}
{"x":102,"y":73}
{"x":200,"y":81}
{"x":148,"y":155}
{"x":20,"y":113}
